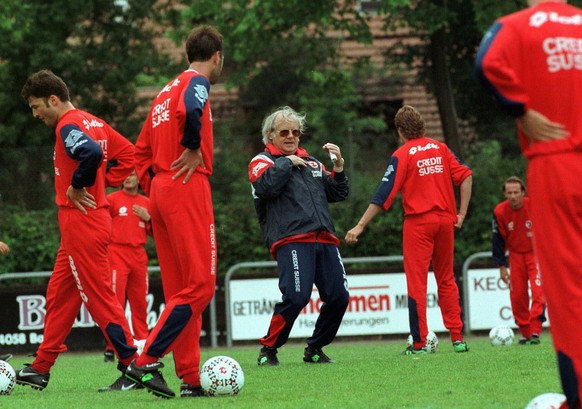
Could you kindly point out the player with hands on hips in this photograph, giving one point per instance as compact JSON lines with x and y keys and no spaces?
{"x":423,"y":170}
{"x":174,"y":158}
{"x":84,"y":145}
{"x":291,"y":191}
{"x":130,"y":226}
{"x":529,"y":62}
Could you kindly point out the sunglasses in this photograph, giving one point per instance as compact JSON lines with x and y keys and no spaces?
{"x":283,"y":133}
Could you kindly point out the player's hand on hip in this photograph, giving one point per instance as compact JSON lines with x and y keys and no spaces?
{"x":81,"y":199}
{"x":539,"y":128}
{"x":187,"y":163}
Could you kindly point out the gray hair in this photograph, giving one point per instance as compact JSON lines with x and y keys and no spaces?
{"x":279,"y":115}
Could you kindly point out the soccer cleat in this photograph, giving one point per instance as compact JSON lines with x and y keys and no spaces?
{"x":411,"y":351}
{"x":190,"y":391}
{"x":121,"y":384}
{"x":525,"y":341}
{"x":5,"y":357}
{"x":268,"y":357}
{"x":316,"y":356}
{"x":28,"y":376}
{"x":535,"y":339}
{"x":108,"y":356}
{"x":150,"y":377}
{"x":460,"y":346}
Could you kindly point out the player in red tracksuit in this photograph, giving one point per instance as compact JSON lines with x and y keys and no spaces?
{"x":129,"y":261}
{"x":512,"y":231}
{"x":84,"y":146}
{"x":531,"y":62}
{"x":174,"y":154}
{"x":423,"y":171}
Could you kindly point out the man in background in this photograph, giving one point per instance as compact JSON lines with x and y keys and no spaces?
{"x":512,"y":231}
{"x":530,"y":62}
{"x":130,"y":226}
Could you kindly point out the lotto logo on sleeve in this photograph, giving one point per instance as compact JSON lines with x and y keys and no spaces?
{"x":430,"y":166}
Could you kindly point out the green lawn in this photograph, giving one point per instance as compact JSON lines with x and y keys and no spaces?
{"x":367,"y":375}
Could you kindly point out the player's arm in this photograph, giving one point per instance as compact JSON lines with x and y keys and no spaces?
{"x":382,"y":200}
{"x":4,"y":249}
{"x":120,"y":158}
{"x":465,"y":197}
{"x":372,"y":211}
{"x":498,"y":249}
{"x":143,"y":156}
{"x":195,"y":99}
{"x":494,"y":69}
{"x":82,"y":148}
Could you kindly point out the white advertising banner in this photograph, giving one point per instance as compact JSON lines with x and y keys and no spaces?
{"x":488,"y":299}
{"x":378,"y":305}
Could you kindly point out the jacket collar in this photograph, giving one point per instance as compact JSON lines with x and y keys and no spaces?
{"x":272,"y":149}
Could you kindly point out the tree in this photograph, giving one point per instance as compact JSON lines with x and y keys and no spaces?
{"x":98,"y":47}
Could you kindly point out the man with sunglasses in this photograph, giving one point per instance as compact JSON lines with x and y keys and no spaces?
{"x":291,"y":190}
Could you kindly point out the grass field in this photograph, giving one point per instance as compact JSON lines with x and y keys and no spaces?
{"x":366,"y":375}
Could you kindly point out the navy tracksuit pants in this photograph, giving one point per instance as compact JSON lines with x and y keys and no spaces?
{"x":301,"y":265}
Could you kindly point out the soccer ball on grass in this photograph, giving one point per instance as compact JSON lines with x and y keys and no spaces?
{"x":7,"y":378}
{"x":501,"y":335}
{"x":547,"y":401}
{"x":221,"y":376}
{"x":432,"y":342}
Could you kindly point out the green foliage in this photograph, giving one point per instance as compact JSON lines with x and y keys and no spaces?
{"x":238,"y":234}
{"x":33,"y":238}
{"x":490,"y":169}
{"x":98,"y":47}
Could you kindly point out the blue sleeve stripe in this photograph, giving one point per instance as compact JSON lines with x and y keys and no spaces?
{"x":82,"y":148}
{"x":510,"y":107}
{"x":195,"y":99}
{"x":498,"y":243}
{"x":387,"y":184}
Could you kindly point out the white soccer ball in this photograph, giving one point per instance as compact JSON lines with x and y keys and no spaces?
{"x":7,"y":378}
{"x":501,"y":335}
{"x":221,"y":376}
{"x":547,"y":401}
{"x":432,"y":342}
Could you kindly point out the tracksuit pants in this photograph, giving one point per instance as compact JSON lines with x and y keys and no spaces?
{"x":183,"y":224}
{"x":426,"y":237}
{"x":556,"y":210}
{"x":524,"y":275}
{"x":82,"y":274}
{"x":129,"y":267}
{"x":301,"y":265}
